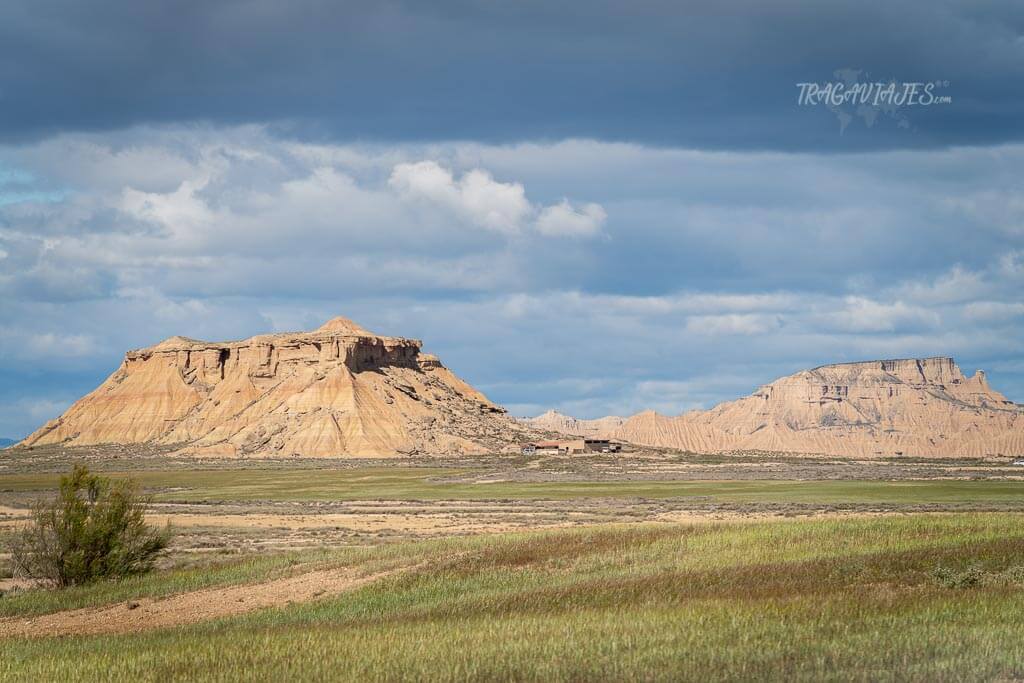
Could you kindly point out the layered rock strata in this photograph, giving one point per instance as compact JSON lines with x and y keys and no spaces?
{"x":920,"y":407}
{"x":336,"y":391}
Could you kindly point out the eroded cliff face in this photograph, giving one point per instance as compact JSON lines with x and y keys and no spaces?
{"x":554,"y":421}
{"x":336,"y":391}
{"x":923,"y":407}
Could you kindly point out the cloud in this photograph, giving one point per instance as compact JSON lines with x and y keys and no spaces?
{"x":992,"y":209}
{"x":731,"y":324}
{"x":493,"y":205}
{"x":669,"y":74}
{"x":710,"y":264}
{"x":563,"y":220}
{"x":21,"y":345}
{"x":993,"y":311}
{"x":164,"y":307}
{"x":501,"y":207}
{"x":956,"y":285}
{"x":859,"y":314}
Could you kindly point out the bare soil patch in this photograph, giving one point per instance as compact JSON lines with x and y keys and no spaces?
{"x":144,"y":614}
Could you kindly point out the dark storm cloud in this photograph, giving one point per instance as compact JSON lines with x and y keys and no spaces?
{"x":656,"y":72}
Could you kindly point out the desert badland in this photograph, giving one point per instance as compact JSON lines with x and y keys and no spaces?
{"x":309,"y":476}
{"x":338,"y":390}
{"x":342,"y":391}
{"x":924,"y":407}
{"x":322,"y":488}
{"x":458,"y":341}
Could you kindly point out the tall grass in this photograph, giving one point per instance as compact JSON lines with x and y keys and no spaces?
{"x":852,"y":599}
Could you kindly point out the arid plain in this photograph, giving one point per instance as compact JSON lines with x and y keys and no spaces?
{"x":341,"y":505}
{"x":543,"y":567}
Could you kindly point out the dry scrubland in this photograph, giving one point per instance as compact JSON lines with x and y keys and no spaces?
{"x":908,"y":598}
{"x":674,"y":568}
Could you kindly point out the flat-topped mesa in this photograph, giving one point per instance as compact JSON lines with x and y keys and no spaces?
{"x":940,"y":370}
{"x":337,"y":390}
{"x":940,"y":376}
{"x":923,"y":407}
{"x":338,"y":341}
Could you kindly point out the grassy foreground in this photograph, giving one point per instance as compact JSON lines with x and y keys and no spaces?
{"x":422,"y":483}
{"x":916,"y":597}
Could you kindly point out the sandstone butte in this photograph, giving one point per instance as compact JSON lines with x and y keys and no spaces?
{"x":922,"y":407}
{"x":336,"y":391}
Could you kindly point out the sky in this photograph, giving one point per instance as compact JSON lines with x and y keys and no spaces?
{"x":598,"y":207}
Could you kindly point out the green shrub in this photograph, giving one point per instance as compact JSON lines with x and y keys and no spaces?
{"x":951,"y":578}
{"x":94,"y":529}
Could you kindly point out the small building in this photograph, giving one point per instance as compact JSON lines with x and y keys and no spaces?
{"x":601,"y":446}
{"x":570,"y":446}
{"x":553,"y":447}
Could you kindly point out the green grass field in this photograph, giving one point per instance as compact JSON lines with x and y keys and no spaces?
{"x":418,"y":483}
{"x":820,"y":599}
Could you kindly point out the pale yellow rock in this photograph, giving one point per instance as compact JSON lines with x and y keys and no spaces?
{"x":336,"y":391}
{"x":923,"y":407}
{"x":554,"y":421}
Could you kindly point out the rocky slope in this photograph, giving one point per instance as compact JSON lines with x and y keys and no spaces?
{"x":924,"y":407}
{"x":336,"y":391}
{"x":554,"y":421}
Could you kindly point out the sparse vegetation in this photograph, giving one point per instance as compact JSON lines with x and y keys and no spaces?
{"x":893,"y":597}
{"x":950,"y":578}
{"x":975,"y":575}
{"x":396,"y":482}
{"x":94,"y":529}
{"x":850,"y":599}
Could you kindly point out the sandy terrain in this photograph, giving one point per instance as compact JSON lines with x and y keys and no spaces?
{"x":189,"y":608}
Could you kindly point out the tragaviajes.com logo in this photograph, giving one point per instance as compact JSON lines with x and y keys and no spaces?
{"x":851,"y":96}
{"x":877,"y":94}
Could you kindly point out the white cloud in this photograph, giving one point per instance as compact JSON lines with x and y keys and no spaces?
{"x":956,"y":285}
{"x":497,"y":206}
{"x":993,"y":311}
{"x":991,"y":209}
{"x":713,"y":259}
{"x":1011,"y":267}
{"x":563,"y":220}
{"x":52,"y":346}
{"x":164,"y":307}
{"x":732,"y":324}
{"x":859,"y":314}
{"x":182,"y":212}
{"x":485,"y":202}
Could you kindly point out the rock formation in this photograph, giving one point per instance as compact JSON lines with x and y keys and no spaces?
{"x":924,"y":407}
{"x":554,"y":421}
{"x":336,"y":391}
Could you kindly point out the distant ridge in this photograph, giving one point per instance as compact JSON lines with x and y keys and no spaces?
{"x":879,"y":408}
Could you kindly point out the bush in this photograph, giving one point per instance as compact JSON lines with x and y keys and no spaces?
{"x":94,"y":529}
{"x":950,"y":578}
